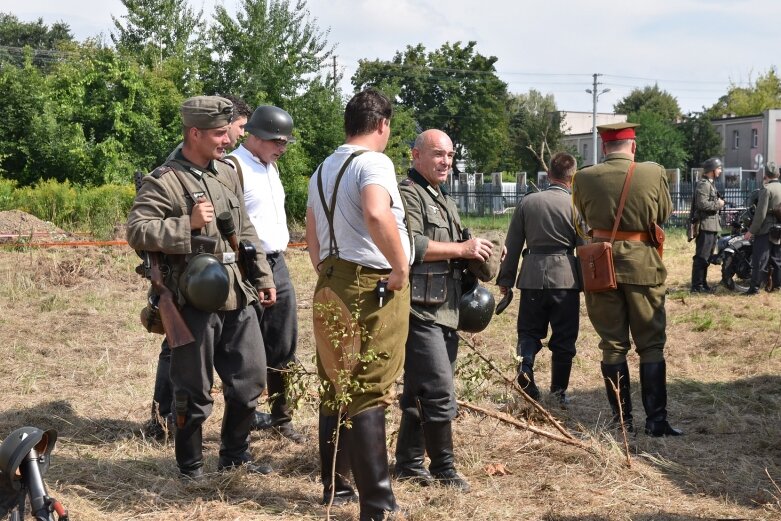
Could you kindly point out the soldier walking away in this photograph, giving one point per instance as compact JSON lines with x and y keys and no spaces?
{"x":766,"y":232}
{"x":637,"y":305}
{"x":550,"y":277}
{"x":270,"y":132}
{"x":428,"y":402}
{"x":359,"y":246}
{"x":175,"y":207}
{"x":707,"y":204}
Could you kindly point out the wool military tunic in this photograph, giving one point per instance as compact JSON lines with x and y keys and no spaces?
{"x":706,"y":200}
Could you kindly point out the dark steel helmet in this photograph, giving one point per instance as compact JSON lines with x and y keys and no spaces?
{"x":269,"y":122}
{"x":205,"y":283}
{"x":17,"y":446}
{"x":711,"y":164}
{"x":475,"y":309}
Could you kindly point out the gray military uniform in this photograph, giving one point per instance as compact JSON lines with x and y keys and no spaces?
{"x":549,"y":279}
{"x":228,"y":340}
{"x":706,"y":206}
{"x":764,"y":251}
{"x":432,"y":342}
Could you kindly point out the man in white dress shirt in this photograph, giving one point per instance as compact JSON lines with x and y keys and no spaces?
{"x":269,"y":133}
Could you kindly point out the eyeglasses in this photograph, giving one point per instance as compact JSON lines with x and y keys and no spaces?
{"x":280,"y":142}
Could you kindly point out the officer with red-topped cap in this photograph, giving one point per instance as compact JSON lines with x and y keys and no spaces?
{"x":637,"y":305}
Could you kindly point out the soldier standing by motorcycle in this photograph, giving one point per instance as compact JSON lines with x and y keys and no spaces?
{"x":766,"y":232}
{"x":707,"y":204}
{"x":179,"y":202}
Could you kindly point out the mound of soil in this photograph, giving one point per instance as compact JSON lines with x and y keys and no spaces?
{"x":18,"y":226}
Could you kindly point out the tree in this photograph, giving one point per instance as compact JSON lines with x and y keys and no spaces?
{"x":15,"y":35}
{"x":454,"y":89}
{"x":658,"y":140}
{"x":759,"y":96}
{"x":700,"y":139}
{"x":535,"y":129}
{"x":270,"y":53}
{"x":651,"y":99}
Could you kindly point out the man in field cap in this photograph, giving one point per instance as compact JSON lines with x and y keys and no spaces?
{"x":174,"y":214}
{"x":637,"y":305}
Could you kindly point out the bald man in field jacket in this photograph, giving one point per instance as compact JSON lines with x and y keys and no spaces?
{"x":637,"y":305}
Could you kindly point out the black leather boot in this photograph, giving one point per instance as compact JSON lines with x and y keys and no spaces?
{"x":559,"y":380}
{"x":439,"y":445}
{"x":410,"y":452}
{"x":369,"y":461}
{"x":653,"y":381}
{"x":188,"y":448}
{"x":234,"y":446}
{"x":343,"y":492}
{"x":528,"y":352}
{"x":281,"y":415}
{"x":618,"y":374}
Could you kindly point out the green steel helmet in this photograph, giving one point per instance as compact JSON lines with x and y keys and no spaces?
{"x":711,"y":164}
{"x":205,"y":283}
{"x":475,"y":309}
{"x":269,"y":122}
{"x":15,"y":449}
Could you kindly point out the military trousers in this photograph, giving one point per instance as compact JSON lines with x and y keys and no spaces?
{"x":429,"y":363}
{"x":765,"y":254}
{"x":279,"y":323}
{"x":634,"y":309}
{"x":359,"y":344}
{"x":559,"y":308}
{"x":228,"y":342}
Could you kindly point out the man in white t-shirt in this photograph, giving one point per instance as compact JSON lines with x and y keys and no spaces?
{"x":270,"y":131}
{"x":359,"y":245}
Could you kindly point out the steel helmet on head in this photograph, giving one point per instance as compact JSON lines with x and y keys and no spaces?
{"x":711,"y":164}
{"x":205,"y":283}
{"x":270,"y":122}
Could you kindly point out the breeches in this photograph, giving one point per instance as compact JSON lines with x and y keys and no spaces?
{"x":630,"y":308}
{"x":360,"y":345}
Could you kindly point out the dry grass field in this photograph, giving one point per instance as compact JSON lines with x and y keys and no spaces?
{"x":75,"y":358}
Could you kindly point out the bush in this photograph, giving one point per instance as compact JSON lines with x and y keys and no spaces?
{"x":100,"y":209}
{"x":7,"y":194}
{"x":50,"y":201}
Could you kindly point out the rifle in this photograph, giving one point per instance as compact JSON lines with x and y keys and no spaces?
{"x":174,"y":326}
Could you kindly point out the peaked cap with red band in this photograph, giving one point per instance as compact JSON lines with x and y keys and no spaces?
{"x":617,"y":131}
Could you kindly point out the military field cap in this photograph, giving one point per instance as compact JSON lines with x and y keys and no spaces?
{"x":487,"y":270}
{"x":617,"y":131}
{"x":206,"y":112}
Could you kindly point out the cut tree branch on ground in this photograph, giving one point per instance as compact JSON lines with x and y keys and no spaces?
{"x":542,"y":410}
{"x":617,"y":391}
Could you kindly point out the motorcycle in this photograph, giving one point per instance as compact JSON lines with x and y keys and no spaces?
{"x":733,"y":253}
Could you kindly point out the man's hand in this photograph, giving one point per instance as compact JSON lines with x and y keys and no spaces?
{"x":722,"y":202}
{"x":476,"y":248}
{"x":503,"y":290}
{"x":203,"y":214}
{"x":268,"y":296}
{"x":748,"y":236}
{"x":398,"y":279}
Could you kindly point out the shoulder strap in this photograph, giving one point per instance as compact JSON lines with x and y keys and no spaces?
{"x":621,"y":202}
{"x":329,"y":212}
{"x":237,"y":166}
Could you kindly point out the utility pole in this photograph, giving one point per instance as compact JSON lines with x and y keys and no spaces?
{"x":595,"y":96}
{"x":334,"y":57}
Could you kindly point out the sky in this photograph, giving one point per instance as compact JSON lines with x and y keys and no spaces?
{"x":693,"y":49}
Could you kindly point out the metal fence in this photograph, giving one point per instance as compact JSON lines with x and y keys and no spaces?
{"x":491,"y":201}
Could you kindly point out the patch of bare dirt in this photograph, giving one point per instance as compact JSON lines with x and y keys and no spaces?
{"x":18,"y":226}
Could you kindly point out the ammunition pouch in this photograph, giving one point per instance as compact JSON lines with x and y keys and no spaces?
{"x":150,"y":315}
{"x":428,"y":282}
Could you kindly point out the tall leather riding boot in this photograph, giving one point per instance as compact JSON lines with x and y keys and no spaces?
{"x":559,"y":380}
{"x":618,"y":374}
{"x":439,"y":445}
{"x":699,"y":275}
{"x":528,"y":352}
{"x":653,"y":381}
{"x":343,"y":492}
{"x":369,"y":461}
{"x":234,"y":445}
{"x":410,"y":452}
{"x":188,"y":448}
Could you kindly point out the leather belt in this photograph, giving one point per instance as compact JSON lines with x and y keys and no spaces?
{"x":550,"y":250}
{"x":621,"y":236}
